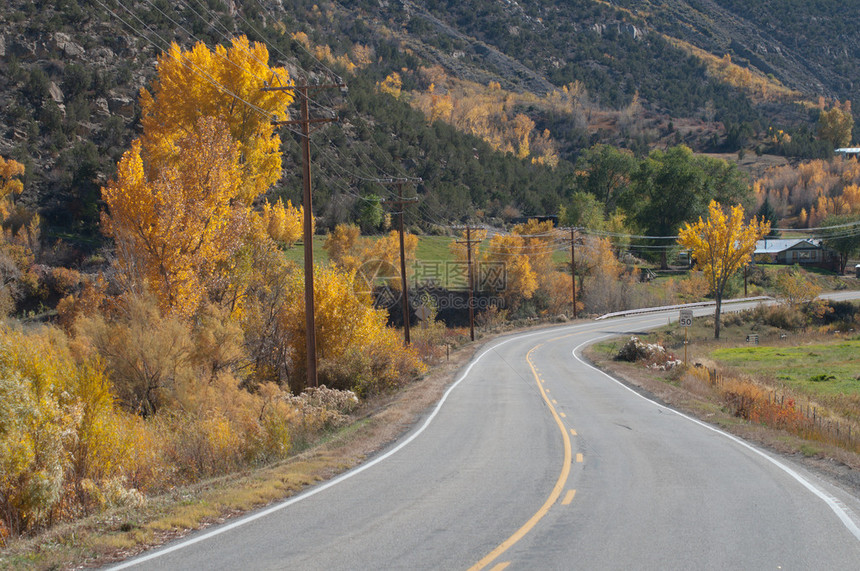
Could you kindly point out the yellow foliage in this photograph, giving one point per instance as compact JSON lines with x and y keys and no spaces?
{"x":540,"y":238}
{"x":377,"y":259}
{"x":173,"y":230}
{"x":285,"y":223}
{"x":695,"y":287}
{"x":559,"y":292}
{"x":811,"y":191}
{"x":202,"y":83}
{"x":58,"y":426}
{"x":489,"y":112}
{"x":381,"y":257}
{"x":523,"y":127}
{"x":836,"y":125}
{"x":756,"y":84}
{"x":343,"y":247}
{"x":391,"y":85}
{"x":458,"y":247}
{"x":348,"y":329}
{"x":721,"y":246}
{"x":794,"y":288}
{"x":362,"y":55}
{"x":10,"y":169}
{"x":520,"y":279}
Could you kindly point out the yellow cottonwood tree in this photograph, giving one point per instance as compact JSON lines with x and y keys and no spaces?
{"x":539,"y":244}
{"x":10,"y":169}
{"x":347,"y":328}
{"x":202,"y":83}
{"x":377,"y":260}
{"x":174,"y":229}
{"x":836,"y":124}
{"x":284,"y":223}
{"x":343,"y":246}
{"x":520,"y":279}
{"x":722,"y":245}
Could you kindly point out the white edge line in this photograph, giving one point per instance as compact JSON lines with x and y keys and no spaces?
{"x":355,"y":471}
{"x":835,"y":504}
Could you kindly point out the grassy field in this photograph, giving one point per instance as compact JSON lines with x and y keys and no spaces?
{"x":434,"y":248}
{"x":297,"y":252}
{"x":824,"y":368}
{"x":430,"y":248}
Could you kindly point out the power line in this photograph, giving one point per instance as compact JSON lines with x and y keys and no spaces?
{"x":190,"y":67}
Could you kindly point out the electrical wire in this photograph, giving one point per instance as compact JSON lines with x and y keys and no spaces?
{"x":365,"y":176}
{"x":191,"y":67}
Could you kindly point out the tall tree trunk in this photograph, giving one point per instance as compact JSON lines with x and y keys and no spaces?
{"x":664,"y":261}
{"x":717,"y":316}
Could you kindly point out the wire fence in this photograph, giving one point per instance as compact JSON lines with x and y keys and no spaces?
{"x":779,"y":410}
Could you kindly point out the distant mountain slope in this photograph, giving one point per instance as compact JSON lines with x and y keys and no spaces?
{"x":70,"y":72}
{"x":813,"y":47}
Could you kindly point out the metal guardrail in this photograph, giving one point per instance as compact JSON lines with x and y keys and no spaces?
{"x":681,"y":306}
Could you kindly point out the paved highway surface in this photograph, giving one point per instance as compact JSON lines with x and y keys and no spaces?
{"x":535,"y":460}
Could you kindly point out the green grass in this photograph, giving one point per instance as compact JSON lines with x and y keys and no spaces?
{"x":430,"y":249}
{"x":822,"y":369}
{"x":297,"y":252}
{"x":434,"y":248}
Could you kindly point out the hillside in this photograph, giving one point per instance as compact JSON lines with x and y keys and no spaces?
{"x":644,"y":74}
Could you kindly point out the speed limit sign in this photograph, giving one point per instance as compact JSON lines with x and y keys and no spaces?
{"x":686,"y":318}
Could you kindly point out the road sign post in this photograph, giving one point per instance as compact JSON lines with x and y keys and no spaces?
{"x":685,"y":320}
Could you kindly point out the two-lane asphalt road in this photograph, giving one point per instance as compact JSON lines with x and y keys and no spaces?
{"x":535,"y":460}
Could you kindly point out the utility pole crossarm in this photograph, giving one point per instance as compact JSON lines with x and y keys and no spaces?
{"x":468,"y":241}
{"x":400,"y":201}
{"x":573,"y":232}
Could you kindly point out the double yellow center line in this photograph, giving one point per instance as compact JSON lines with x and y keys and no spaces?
{"x":557,"y":489}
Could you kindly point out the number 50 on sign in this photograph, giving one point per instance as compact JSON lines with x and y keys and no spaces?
{"x":686,"y":318}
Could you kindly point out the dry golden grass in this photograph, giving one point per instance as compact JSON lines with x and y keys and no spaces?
{"x":787,"y":434}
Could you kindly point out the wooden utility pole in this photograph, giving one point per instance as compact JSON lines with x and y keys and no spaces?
{"x":573,"y":267}
{"x":468,"y":241}
{"x":404,"y":288}
{"x":301,"y":91}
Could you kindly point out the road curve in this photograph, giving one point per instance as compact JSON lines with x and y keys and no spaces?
{"x":535,"y":460}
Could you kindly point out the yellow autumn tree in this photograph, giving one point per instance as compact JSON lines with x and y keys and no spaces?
{"x":172,"y":230}
{"x":356,"y":349}
{"x":391,"y":85}
{"x":381,"y":257}
{"x":343,"y":248}
{"x":376,"y":260}
{"x":9,"y":184}
{"x":523,"y":127}
{"x":520,"y":280}
{"x":722,"y":245}
{"x":19,"y":239}
{"x":61,"y":436}
{"x":284,"y":223}
{"x":227,"y":84}
{"x":539,"y":243}
{"x":178,"y":206}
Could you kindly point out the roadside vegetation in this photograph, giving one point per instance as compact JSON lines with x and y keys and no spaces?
{"x":139,"y":382}
{"x":786,"y":375}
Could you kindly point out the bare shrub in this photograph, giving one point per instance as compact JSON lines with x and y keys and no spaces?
{"x":146,"y":354}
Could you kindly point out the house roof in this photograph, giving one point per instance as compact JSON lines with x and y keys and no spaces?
{"x":775,"y":246}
